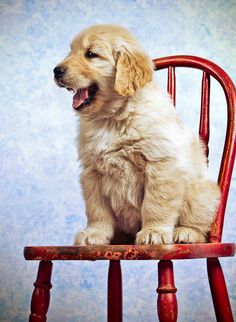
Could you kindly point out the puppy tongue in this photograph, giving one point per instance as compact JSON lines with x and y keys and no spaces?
{"x":80,"y":96}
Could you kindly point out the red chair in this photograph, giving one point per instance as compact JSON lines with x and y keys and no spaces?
{"x":167,"y":302}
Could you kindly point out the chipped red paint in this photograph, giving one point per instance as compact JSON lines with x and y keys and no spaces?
{"x":130,"y":252}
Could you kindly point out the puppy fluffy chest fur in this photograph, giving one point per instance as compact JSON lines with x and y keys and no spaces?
{"x":120,"y":168}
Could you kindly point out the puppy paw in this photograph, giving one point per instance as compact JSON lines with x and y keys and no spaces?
{"x":154,"y":236}
{"x":91,"y":237}
{"x":188,"y":235}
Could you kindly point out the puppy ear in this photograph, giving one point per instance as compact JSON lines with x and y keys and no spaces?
{"x":133,"y":71}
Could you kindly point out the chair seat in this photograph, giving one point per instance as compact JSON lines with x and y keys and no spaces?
{"x":130,"y":252}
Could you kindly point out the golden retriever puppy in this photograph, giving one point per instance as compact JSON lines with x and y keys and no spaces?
{"x":144,"y":173}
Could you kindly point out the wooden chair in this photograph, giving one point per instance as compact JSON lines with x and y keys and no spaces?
{"x":167,"y":302}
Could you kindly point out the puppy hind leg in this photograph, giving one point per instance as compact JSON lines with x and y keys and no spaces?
{"x":162,"y":198}
{"x":197,"y":212}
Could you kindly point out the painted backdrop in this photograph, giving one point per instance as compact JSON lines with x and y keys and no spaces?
{"x":40,"y":197}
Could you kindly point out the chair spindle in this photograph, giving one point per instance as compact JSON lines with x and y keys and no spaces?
{"x":171,"y":84}
{"x":204,"y":128}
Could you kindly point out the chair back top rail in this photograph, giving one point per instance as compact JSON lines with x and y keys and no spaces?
{"x":229,"y":151}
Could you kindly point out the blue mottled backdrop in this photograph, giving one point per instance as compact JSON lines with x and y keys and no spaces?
{"x":40,"y":197}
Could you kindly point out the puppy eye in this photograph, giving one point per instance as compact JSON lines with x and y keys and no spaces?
{"x":89,"y":54}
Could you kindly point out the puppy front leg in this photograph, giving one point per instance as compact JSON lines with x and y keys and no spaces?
{"x":163,"y":195}
{"x":100,"y":226}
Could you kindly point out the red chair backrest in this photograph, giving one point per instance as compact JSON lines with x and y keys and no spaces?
{"x":227,"y":161}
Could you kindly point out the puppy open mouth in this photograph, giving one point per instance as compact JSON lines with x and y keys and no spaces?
{"x":84,"y":96}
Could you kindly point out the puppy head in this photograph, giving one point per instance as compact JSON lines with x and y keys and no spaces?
{"x":105,"y":65}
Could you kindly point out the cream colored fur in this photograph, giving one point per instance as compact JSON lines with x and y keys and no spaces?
{"x":144,"y":173}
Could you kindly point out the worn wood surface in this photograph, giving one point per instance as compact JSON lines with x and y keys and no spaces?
{"x":129,"y":252}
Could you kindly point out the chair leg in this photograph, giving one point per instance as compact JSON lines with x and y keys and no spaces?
{"x":219,"y":291}
{"x":41,"y":294}
{"x":167,"y":308}
{"x":114,"y":307}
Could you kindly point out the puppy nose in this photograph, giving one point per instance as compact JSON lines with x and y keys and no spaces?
{"x":59,"y":71}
